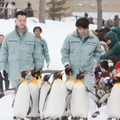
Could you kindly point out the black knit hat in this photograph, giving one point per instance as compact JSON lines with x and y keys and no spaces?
{"x":114,"y":59}
{"x":104,"y":64}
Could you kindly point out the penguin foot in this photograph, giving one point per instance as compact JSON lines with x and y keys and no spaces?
{"x":95,"y":114}
{"x":57,"y":119}
{"x":109,"y":119}
{"x":75,"y":118}
{"x":22,"y":119}
{"x":85,"y":119}
{"x":14,"y":118}
{"x":43,"y":119}
{"x":64,"y":118}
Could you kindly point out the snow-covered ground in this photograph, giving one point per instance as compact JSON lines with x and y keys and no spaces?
{"x":54,"y":32}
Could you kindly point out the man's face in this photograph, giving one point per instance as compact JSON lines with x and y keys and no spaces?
{"x":108,"y":41}
{"x":1,"y":39}
{"x":37,"y":33}
{"x":82,"y":31}
{"x":21,"y":21}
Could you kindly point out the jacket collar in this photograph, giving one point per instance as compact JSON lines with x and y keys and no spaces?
{"x":24,"y":31}
{"x":89,"y":34}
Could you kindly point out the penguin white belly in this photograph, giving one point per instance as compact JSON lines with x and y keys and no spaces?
{"x":39,"y":83}
{"x":21,"y":102}
{"x":113,"y":105}
{"x":69,"y":84}
{"x":43,"y":96}
{"x":79,"y":101}
{"x":34,"y":91}
{"x":56,"y":101}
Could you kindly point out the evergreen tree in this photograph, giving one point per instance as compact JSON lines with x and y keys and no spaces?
{"x":56,"y":8}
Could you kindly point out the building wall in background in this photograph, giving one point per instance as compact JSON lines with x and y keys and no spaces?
{"x":75,"y":5}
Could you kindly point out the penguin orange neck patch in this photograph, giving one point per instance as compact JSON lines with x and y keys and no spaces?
{"x":34,"y":81}
{"x":70,"y":78}
{"x":78,"y":81}
{"x":24,"y":81}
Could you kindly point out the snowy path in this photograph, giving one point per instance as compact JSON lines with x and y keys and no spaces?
{"x":6,"y":111}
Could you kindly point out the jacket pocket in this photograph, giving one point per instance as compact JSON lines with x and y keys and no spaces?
{"x":12,"y":57}
{"x":91,"y":47}
{"x":74,"y":46}
{"x":29,"y":46}
{"x":13,"y":46}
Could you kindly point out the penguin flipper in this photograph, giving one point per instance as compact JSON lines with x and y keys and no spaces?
{"x":104,"y":97}
{"x":7,"y":92}
{"x":30,"y":106}
{"x":68,"y":98}
{"x":93,"y":96}
{"x":46,"y":98}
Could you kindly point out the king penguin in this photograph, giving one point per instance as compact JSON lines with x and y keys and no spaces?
{"x":34,"y":91}
{"x":56,"y":101}
{"x":69,"y":82}
{"x":21,"y":103}
{"x":44,"y":92}
{"x":113,"y":104}
{"x":79,"y":99}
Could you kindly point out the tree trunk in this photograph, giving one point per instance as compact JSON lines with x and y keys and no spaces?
{"x":99,"y":13}
{"x":42,"y":11}
{"x":53,"y":14}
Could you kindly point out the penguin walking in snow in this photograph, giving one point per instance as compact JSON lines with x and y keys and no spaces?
{"x":69,"y":82}
{"x":79,"y":104}
{"x":34,"y":91}
{"x":21,"y":104}
{"x":56,"y":100}
{"x":44,"y":92}
{"x":113,"y":103}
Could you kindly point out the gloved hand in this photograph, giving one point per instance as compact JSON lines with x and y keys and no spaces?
{"x":68,"y":70}
{"x":4,"y":74}
{"x":48,"y":64}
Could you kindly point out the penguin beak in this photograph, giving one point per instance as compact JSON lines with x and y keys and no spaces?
{"x":83,"y":74}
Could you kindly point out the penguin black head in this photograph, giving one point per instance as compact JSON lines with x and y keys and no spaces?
{"x":46,"y":78}
{"x":23,"y":74}
{"x":69,"y":70}
{"x":36,"y":73}
{"x":80,"y":75}
{"x":57,"y":75}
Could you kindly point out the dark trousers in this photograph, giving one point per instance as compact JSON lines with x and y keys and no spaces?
{"x":6,"y":83}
